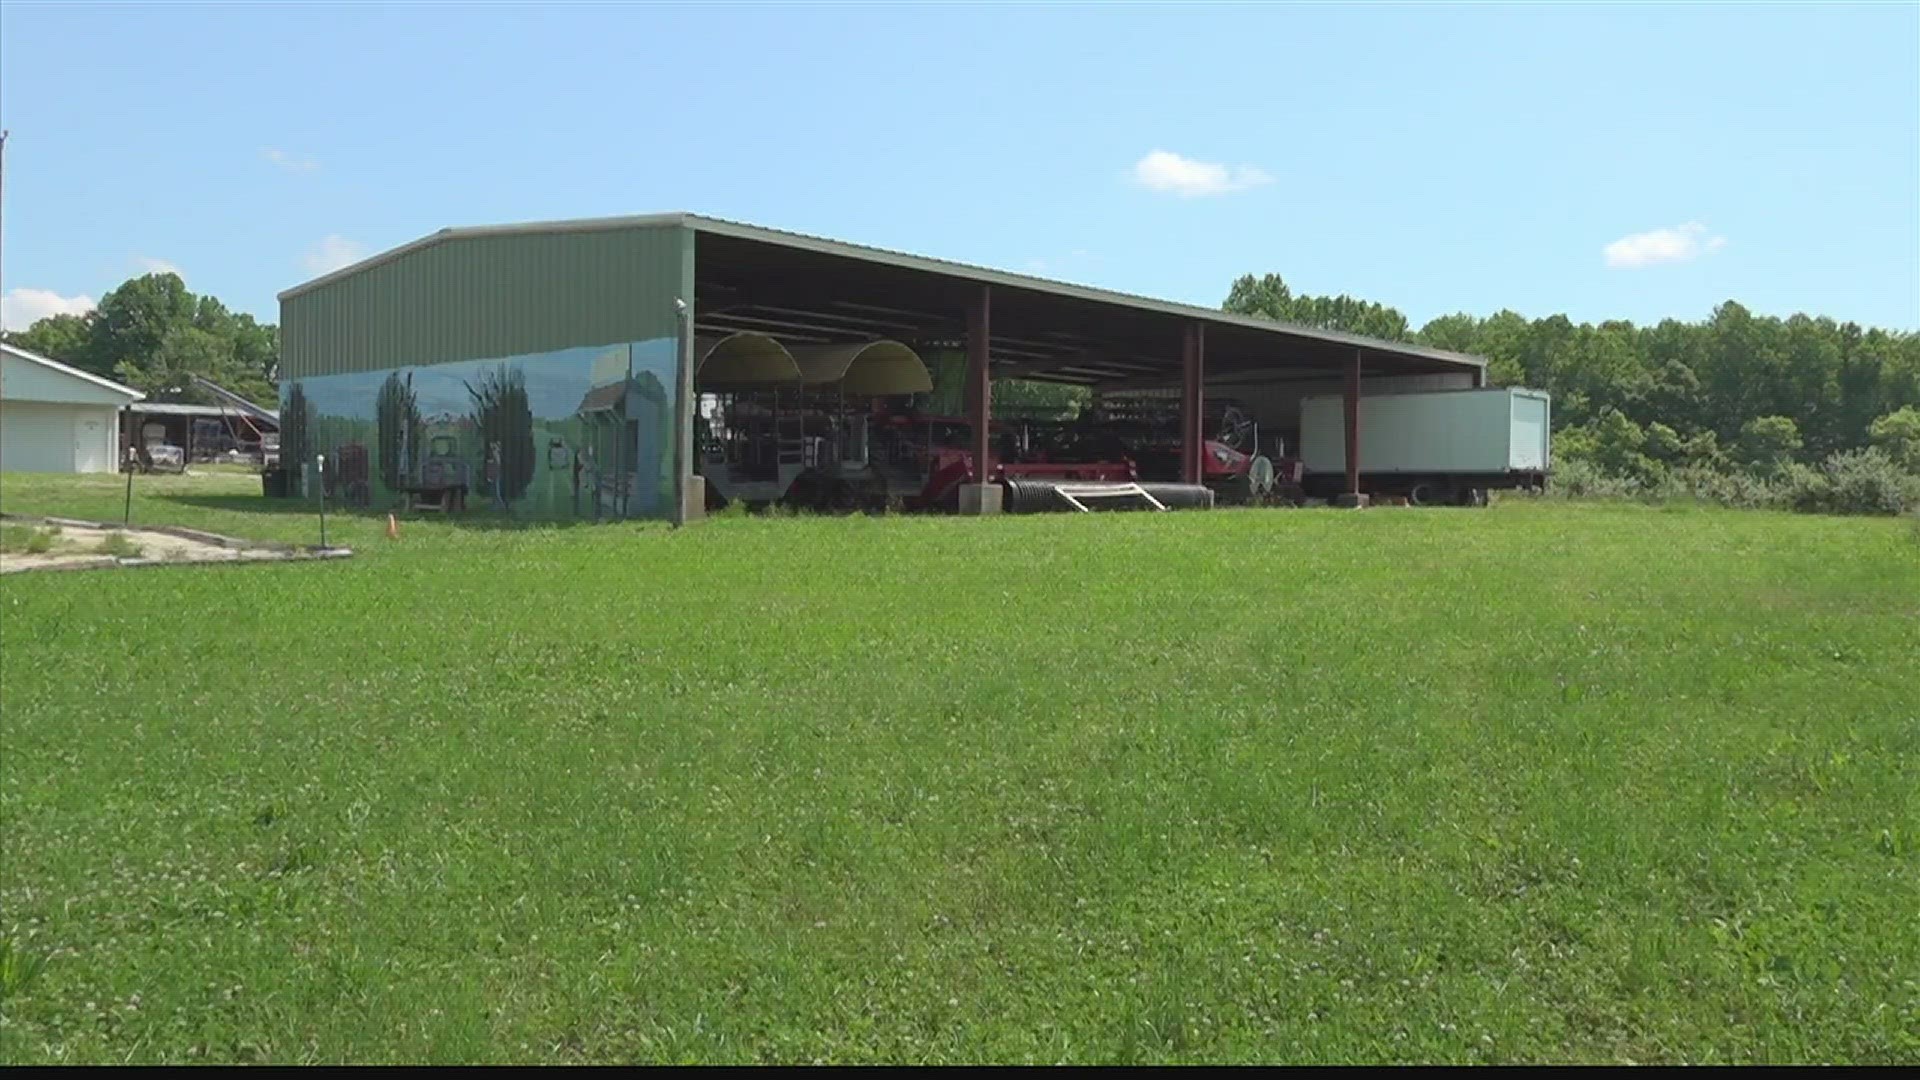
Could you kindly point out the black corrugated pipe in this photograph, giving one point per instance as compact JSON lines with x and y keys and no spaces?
{"x":1041,"y":496}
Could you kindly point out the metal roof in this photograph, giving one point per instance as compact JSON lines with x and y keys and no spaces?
{"x":66,"y":369}
{"x":174,"y":408}
{"x":753,"y":241}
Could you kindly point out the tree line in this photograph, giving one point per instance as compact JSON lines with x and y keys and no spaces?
{"x":1735,"y":391}
{"x":152,"y":333}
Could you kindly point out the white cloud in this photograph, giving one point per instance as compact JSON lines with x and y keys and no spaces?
{"x":332,"y":253}
{"x":21,"y":308}
{"x":1169,"y":173}
{"x":149,"y":265}
{"x":1681,"y":244}
{"x":290,"y":162}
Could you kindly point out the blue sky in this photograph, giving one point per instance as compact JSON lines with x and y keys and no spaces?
{"x":1623,"y":161}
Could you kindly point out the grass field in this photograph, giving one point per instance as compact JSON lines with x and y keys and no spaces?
{"x":1540,"y":783}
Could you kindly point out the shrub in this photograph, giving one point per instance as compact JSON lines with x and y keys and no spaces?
{"x":1868,"y":482}
{"x":1581,"y":479}
{"x":1744,"y":490}
{"x":27,"y":539}
{"x":119,"y":546}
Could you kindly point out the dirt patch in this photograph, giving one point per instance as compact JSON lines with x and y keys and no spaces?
{"x":65,"y":544}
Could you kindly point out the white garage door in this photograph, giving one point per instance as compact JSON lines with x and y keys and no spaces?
{"x":36,"y":437}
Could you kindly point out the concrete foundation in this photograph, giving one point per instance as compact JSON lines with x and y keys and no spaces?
{"x":694,"y":498}
{"x":1352,"y":500}
{"x":978,"y":499}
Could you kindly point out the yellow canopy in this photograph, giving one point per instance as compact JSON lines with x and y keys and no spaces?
{"x":742,"y":359}
{"x":867,"y":369}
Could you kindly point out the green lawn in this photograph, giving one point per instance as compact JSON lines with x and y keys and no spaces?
{"x":1548,"y":782}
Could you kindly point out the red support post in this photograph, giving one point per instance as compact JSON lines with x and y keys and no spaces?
{"x":980,"y":383}
{"x":1353,"y":425}
{"x":1193,"y":437}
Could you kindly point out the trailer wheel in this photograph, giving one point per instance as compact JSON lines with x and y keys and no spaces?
{"x":1472,"y":496}
{"x":1424,"y":494}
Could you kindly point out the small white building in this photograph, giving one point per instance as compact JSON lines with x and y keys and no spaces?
{"x":56,"y":418}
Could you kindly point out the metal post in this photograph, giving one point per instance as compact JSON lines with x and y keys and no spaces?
{"x":320,"y":471}
{"x":980,"y":381}
{"x":3,"y":174}
{"x":623,"y":492}
{"x":1193,"y":437}
{"x":683,"y":409}
{"x":133,"y":462}
{"x":1353,"y":425}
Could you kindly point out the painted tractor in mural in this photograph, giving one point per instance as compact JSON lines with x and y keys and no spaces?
{"x":450,"y":445}
{"x":347,"y":475}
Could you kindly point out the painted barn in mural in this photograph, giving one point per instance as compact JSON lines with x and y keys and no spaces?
{"x":492,"y":373}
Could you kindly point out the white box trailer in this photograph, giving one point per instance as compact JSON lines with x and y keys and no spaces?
{"x":1434,"y":446}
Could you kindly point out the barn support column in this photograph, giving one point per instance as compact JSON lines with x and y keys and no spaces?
{"x":981,"y":496}
{"x":1193,"y":429}
{"x":1352,"y":496}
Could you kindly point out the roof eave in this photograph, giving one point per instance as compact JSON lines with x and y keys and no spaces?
{"x":127,"y":392}
{"x":903,"y":260}
{"x":463,"y":232}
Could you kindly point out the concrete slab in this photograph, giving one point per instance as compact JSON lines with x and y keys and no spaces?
{"x":88,"y":545}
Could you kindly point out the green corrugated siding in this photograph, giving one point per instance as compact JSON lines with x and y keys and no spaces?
{"x":472,"y":298}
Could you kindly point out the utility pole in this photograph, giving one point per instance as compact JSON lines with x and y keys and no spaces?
{"x":3,"y":202}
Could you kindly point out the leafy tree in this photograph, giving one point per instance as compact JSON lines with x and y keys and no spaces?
{"x":1703,"y":451}
{"x":1269,"y":297}
{"x":1620,"y":447}
{"x":131,"y":323}
{"x":57,"y":337}
{"x":153,"y":334}
{"x":1665,"y":445}
{"x":1898,"y":434}
{"x":1769,"y":441}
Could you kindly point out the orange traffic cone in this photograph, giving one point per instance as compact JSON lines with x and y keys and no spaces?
{"x":393,"y":528}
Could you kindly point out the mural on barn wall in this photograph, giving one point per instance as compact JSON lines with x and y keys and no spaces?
{"x":577,"y":434}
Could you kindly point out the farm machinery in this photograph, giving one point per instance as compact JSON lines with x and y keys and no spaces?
{"x":824,"y":456}
{"x":1147,"y":430}
{"x":838,"y":428}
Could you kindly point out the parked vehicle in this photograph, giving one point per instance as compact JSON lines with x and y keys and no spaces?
{"x":1432,"y":447}
{"x":163,"y":457}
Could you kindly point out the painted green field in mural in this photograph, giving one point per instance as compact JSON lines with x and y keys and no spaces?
{"x":576,"y":435}
{"x":1539,"y":783}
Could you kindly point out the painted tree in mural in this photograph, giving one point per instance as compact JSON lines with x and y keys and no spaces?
{"x":504,"y":416}
{"x":296,"y":419}
{"x":397,"y":415}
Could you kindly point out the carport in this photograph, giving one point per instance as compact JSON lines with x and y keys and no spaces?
{"x":806,"y":289}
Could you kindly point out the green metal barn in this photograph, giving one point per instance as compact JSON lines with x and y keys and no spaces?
{"x":553,"y":370}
